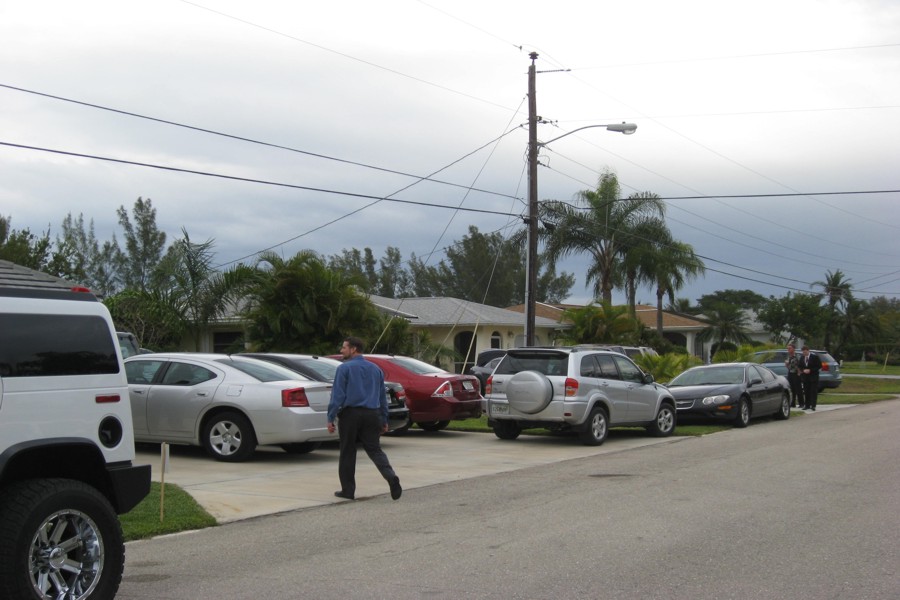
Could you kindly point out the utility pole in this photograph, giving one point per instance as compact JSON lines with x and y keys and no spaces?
{"x":531,"y":257}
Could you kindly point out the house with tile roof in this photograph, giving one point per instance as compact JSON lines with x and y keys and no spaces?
{"x":468,"y":327}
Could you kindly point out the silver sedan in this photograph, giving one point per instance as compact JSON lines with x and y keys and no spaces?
{"x":226,"y":404}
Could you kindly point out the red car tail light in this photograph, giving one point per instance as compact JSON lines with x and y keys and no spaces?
{"x":445,"y":390}
{"x":488,"y":385}
{"x":109,"y":399}
{"x":825,"y":366}
{"x":571,"y":387}
{"x":294,"y":397}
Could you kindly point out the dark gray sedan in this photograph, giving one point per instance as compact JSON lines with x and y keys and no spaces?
{"x":734,"y":392}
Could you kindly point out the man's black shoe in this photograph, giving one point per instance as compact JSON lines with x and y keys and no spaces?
{"x":396,"y":490}
{"x":343,"y":495}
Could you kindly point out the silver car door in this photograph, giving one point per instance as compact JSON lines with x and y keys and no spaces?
{"x":612,"y":386}
{"x":641,"y":397}
{"x":175,"y":403}
{"x":140,"y":375}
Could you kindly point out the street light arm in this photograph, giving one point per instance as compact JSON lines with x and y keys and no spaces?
{"x":623,"y":127}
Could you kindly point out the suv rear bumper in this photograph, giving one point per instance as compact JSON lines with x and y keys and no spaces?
{"x":129,"y":485}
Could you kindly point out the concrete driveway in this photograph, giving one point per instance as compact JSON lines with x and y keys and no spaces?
{"x":274,"y":481}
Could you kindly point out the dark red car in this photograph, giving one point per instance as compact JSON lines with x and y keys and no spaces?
{"x":434,"y":397}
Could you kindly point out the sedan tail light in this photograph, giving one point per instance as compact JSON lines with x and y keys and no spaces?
{"x":445,"y":390}
{"x":488,"y":385}
{"x":294,"y":397}
{"x":571,"y":387}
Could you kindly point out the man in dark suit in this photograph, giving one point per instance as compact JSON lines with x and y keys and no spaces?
{"x":810,"y":365}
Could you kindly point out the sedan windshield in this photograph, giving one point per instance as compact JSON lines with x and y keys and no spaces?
{"x":709,"y":376}
{"x":416,"y":366}
{"x":260,"y":370}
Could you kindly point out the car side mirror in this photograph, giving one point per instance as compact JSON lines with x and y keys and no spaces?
{"x":755,"y":382}
{"x":648,"y":378}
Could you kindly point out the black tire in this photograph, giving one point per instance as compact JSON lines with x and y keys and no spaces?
{"x":506,"y":430}
{"x":743,"y":417}
{"x":432,"y":425}
{"x":400,"y":430}
{"x":49,"y":524}
{"x":229,"y":437}
{"x":300,"y":447}
{"x":784,"y":411}
{"x":596,"y":428}
{"x":664,"y":423}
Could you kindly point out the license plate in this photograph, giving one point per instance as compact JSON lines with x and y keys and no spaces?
{"x":499,"y":409}
{"x":468,"y":385}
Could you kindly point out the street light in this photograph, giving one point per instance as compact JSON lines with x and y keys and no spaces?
{"x":533,"y":147}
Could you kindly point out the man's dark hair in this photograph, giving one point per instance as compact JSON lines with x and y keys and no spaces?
{"x":355,"y":342}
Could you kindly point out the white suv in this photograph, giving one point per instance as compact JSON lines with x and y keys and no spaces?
{"x":66,"y":443}
{"x":587,"y":391}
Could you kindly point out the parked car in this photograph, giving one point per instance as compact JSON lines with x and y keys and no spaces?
{"x":322,"y":368}
{"x":829,"y":377}
{"x":735,"y":392}
{"x":483,"y":371}
{"x":225,"y":404}
{"x":434,"y":396}
{"x":586,"y":391}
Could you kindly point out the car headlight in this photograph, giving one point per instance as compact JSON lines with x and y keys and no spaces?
{"x":716,"y":399}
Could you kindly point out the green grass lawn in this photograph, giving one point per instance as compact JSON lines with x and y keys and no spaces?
{"x":868,"y":368}
{"x":182,"y":513}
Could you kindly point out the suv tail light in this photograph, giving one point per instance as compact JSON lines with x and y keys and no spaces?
{"x":445,"y":390}
{"x":488,"y":385}
{"x":293,"y":398}
{"x":571,"y":387}
{"x":107,"y":399}
{"x":825,"y":366}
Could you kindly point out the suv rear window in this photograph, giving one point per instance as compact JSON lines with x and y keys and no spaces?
{"x":548,"y":363}
{"x":50,"y":345}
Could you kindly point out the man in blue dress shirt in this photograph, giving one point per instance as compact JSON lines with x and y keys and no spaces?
{"x":359,"y":405}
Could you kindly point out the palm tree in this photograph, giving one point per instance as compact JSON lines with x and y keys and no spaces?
{"x":673,"y":265}
{"x":601,"y":227}
{"x":640,"y":254}
{"x":199,"y":292}
{"x":725,"y":322}
{"x":600,"y":324}
{"x":837,"y":291}
{"x":301,"y":305}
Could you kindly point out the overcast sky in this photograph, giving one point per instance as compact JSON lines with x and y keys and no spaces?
{"x":776,"y":102}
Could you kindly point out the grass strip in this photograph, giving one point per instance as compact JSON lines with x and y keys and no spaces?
{"x":182,"y":513}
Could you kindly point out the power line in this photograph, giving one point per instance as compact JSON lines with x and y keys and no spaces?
{"x":248,"y":179}
{"x":246,"y":139}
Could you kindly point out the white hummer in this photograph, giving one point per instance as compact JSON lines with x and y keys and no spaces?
{"x":66,"y":442}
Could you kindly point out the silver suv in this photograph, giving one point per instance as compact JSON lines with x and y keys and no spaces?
{"x":66,"y":442}
{"x":587,"y":391}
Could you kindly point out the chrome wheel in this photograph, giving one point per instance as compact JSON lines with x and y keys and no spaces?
{"x":66,"y":559}
{"x":229,"y":437}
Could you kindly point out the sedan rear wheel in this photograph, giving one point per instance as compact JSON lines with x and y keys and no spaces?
{"x":743,"y":416}
{"x":229,"y":437}
{"x":596,"y":429}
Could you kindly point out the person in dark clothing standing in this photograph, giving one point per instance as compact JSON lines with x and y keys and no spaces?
{"x":810,"y":365}
{"x":359,"y":406}
{"x":792,"y":362}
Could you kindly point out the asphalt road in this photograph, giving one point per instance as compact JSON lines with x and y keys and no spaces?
{"x":805,"y":508}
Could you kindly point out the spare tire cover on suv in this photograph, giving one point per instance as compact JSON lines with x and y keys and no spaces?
{"x":529,"y":391}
